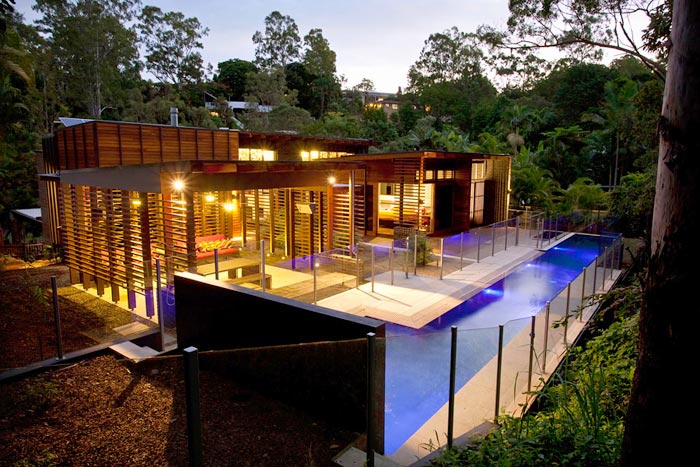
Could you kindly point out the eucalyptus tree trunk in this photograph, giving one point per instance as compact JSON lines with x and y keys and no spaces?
{"x":662,"y":416}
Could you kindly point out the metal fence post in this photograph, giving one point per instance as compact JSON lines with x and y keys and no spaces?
{"x":546,"y":337}
{"x":532,"y":354}
{"x":461,"y":250}
{"x":493,"y":239}
{"x":405,"y":260}
{"x":216,"y":263}
{"x":505,"y":224}
{"x":262,"y":265}
{"x":605,"y":264}
{"x":478,"y":245}
{"x":194,"y":421}
{"x":517,"y":231}
{"x":159,"y":304}
{"x":498,"y":372}
{"x":313,"y":264}
{"x":391,"y":262}
{"x":453,"y":371}
{"x":442,"y":257}
{"x":566,"y":313}
{"x":57,"y":318}
{"x":415,"y":252}
{"x":583,"y":293}
{"x":371,"y":341}
{"x":372,"y":264}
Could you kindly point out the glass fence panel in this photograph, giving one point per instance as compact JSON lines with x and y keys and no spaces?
{"x":470,"y":245}
{"x":540,"y":343}
{"x":556,"y":331}
{"x":417,"y":387}
{"x":317,"y":391}
{"x":452,"y":255}
{"x":475,"y":383}
{"x":515,"y":365}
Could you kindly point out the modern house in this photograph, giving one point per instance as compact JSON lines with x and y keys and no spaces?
{"x":117,"y":195}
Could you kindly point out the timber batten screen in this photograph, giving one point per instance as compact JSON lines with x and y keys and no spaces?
{"x":111,"y":144}
{"x":112,"y":237}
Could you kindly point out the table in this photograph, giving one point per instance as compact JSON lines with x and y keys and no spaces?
{"x":231,"y":266}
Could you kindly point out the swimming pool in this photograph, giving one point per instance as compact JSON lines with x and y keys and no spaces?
{"x":418,"y":360}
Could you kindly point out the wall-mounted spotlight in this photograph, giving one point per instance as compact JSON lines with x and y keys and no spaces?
{"x":331,"y":180}
{"x":178,"y":185}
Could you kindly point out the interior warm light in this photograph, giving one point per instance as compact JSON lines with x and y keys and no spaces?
{"x":228,"y":207}
{"x":136,"y":202}
{"x":209,"y":198}
{"x":178,"y":185}
{"x":331,"y":180}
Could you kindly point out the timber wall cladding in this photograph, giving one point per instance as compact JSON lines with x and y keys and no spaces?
{"x":111,"y":144}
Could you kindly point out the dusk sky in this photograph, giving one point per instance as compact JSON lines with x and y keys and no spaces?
{"x":374,"y":39}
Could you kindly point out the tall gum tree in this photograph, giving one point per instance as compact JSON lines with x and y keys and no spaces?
{"x":660,"y":419}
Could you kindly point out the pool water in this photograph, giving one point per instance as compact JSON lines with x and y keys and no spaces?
{"x":418,"y":360}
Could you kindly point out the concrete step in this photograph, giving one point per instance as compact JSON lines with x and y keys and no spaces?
{"x":352,"y":456}
{"x":133,"y":351}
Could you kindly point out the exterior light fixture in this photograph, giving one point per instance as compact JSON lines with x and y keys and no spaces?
{"x":228,"y":207}
{"x":209,"y":198}
{"x":178,"y":185}
{"x":331,"y":180}
{"x":136,"y":202}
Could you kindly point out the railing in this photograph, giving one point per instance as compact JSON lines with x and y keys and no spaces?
{"x":24,"y":251}
{"x":493,"y":370}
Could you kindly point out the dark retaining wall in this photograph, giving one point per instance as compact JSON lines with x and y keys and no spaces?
{"x":307,"y":355}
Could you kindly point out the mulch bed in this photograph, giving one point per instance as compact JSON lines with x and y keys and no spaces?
{"x":106,"y":410}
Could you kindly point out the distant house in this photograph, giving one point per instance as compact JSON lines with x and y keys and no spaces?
{"x":116,"y":195}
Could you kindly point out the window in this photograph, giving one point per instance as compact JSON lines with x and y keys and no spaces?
{"x":478,"y":170}
{"x":247,"y":154}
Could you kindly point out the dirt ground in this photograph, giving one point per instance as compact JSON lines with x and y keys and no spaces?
{"x":108,"y":411}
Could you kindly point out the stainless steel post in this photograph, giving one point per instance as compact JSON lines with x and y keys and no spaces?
{"x":442,"y":257}
{"x":415,"y":252}
{"x":159,"y":304}
{"x":194,"y":420}
{"x":583,"y":293}
{"x":391,"y":262}
{"x":216,"y":263}
{"x":498,"y":372}
{"x":453,"y":371}
{"x":262,"y":265}
{"x":57,"y":318}
{"x":566,"y":313}
{"x":313,"y":264}
{"x":371,"y":342}
{"x":478,"y":245}
{"x":546,"y":337}
{"x":372,"y":265}
{"x":532,"y":354}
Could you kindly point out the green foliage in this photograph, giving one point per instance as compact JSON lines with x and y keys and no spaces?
{"x":232,"y":74}
{"x":37,"y":397}
{"x":584,"y":196}
{"x":279,"y":45}
{"x":632,"y":203}
{"x":583,"y":30}
{"x":91,"y":49}
{"x":173,"y":43}
{"x":580,"y":420}
{"x":46,"y":459}
{"x":418,"y":246}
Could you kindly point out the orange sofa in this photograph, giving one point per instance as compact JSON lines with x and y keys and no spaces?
{"x":206,"y":246}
